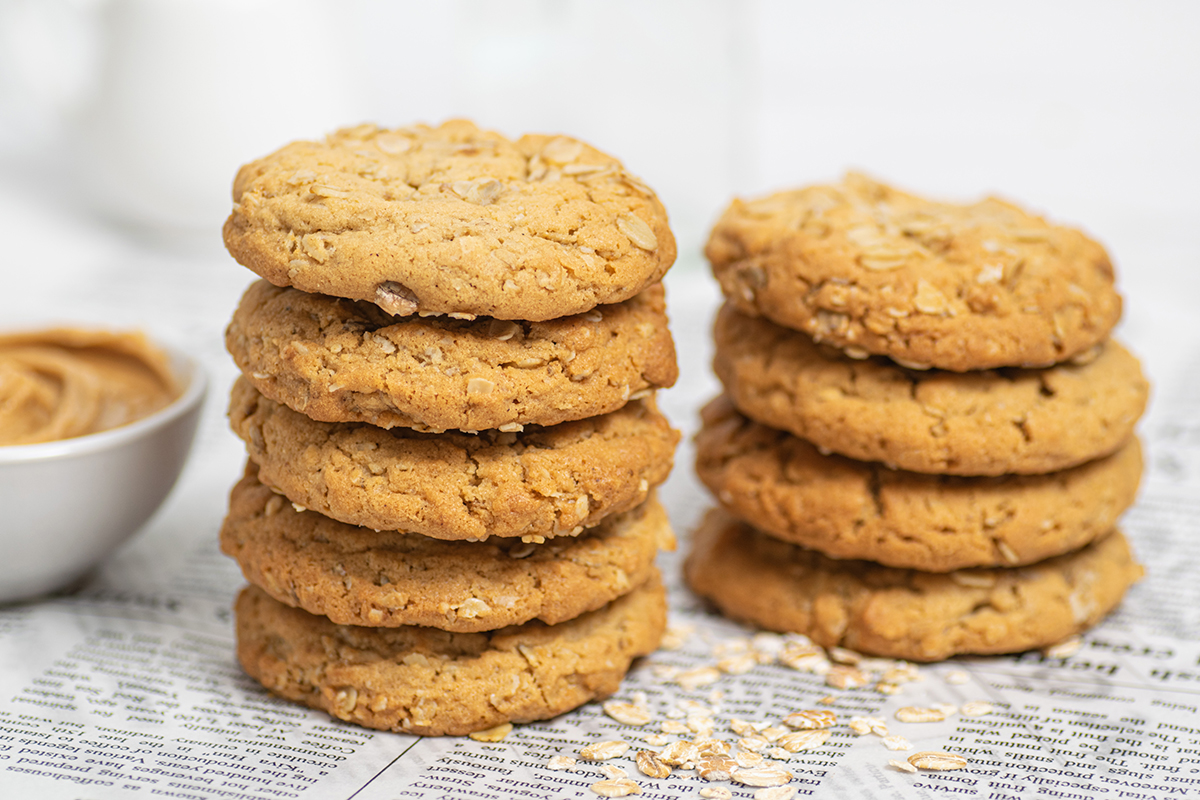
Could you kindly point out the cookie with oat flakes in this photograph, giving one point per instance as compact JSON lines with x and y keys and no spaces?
{"x":873,"y":270}
{"x":358,"y":576}
{"x":450,"y":220}
{"x":851,"y":509}
{"x":342,"y":361}
{"x":987,"y":422}
{"x":541,"y":482}
{"x":430,"y":682}
{"x":900,"y":613}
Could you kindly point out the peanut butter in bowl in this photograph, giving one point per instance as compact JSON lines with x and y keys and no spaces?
{"x":67,"y":382}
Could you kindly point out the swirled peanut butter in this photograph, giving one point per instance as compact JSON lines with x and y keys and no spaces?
{"x":67,"y":382}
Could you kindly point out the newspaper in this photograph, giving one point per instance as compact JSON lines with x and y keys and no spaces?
{"x":128,"y":686}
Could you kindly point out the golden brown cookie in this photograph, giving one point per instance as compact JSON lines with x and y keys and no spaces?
{"x":357,"y":576}
{"x":850,"y":509}
{"x":865,"y":267}
{"x":430,"y":682}
{"x":897,"y":613}
{"x":450,"y":220}
{"x":989,"y":422}
{"x":340,"y":361}
{"x":541,"y":482}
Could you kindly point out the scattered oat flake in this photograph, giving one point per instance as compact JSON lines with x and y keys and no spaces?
{"x":762,"y":776}
{"x":619,"y":787}
{"x":804,"y":740}
{"x":560,"y":763}
{"x":841,"y":655}
{"x":678,"y":753}
{"x":916,"y":714}
{"x":742,"y":728}
{"x":896,"y":742}
{"x":601,"y":751}
{"x":737,"y":665}
{"x":841,"y":676}
{"x":957,"y":678}
{"x":779,"y":754}
{"x":887,"y":688}
{"x":946,"y":708}
{"x":674,"y":727}
{"x":773,"y":733}
{"x":976,"y":708}
{"x":827,"y":700}
{"x":860,"y":726}
{"x":650,"y":765}
{"x":676,"y":636}
{"x":716,"y":793}
{"x":747,"y":759}
{"x":656,"y":740}
{"x":495,"y":734}
{"x":627,"y":713}
{"x":716,"y":768}
{"x":1064,"y":649}
{"x":903,"y":766}
{"x":934,"y":760}
{"x":810,"y":719}
{"x":612,"y":771}
{"x":695,"y":678}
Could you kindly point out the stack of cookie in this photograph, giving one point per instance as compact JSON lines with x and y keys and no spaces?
{"x":447,"y":394}
{"x":927,"y":435}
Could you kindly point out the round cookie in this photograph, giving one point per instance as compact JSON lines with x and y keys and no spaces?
{"x":896,"y":613}
{"x":429,"y":682}
{"x":850,"y":509}
{"x":989,"y":422}
{"x":340,"y":361}
{"x":356,"y":576}
{"x":541,"y":482}
{"x":862,"y":266}
{"x":450,"y":220}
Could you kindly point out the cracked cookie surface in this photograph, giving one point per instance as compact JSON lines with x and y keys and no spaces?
{"x":862,"y":266}
{"x":897,"y":613}
{"x":357,"y":576}
{"x":850,"y":509}
{"x":540,"y":482}
{"x":340,"y":361}
{"x":429,"y":682}
{"x":989,"y":422}
{"x":450,"y":220}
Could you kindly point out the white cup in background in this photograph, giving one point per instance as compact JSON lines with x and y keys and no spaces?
{"x":188,"y":90}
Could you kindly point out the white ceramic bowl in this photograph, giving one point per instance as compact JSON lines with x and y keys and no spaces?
{"x":67,"y":504}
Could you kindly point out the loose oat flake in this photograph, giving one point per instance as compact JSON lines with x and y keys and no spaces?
{"x":560,"y":763}
{"x":903,"y":766}
{"x":620,"y":787}
{"x":762,"y":776}
{"x":601,"y":751}
{"x":495,"y":734}
{"x":934,"y":760}
{"x":627,"y":713}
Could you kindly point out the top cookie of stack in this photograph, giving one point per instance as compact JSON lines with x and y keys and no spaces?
{"x":455,"y":348}
{"x":872,"y":270}
{"x":450,"y":220}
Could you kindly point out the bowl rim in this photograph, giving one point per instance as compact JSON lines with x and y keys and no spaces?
{"x":184,"y":366}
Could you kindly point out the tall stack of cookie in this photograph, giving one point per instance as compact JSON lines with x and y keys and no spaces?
{"x":448,"y":517}
{"x":927,"y":435}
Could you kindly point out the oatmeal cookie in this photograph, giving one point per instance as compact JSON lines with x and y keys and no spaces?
{"x":989,"y":422}
{"x":450,"y":220}
{"x":541,"y":482}
{"x":897,"y":613}
{"x":429,"y":682}
{"x":341,"y":361}
{"x":870,"y":269}
{"x":850,"y":509}
{"x":357,"y":576}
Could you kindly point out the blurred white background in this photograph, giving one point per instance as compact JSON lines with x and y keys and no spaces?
{"x":1087,"y":110}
